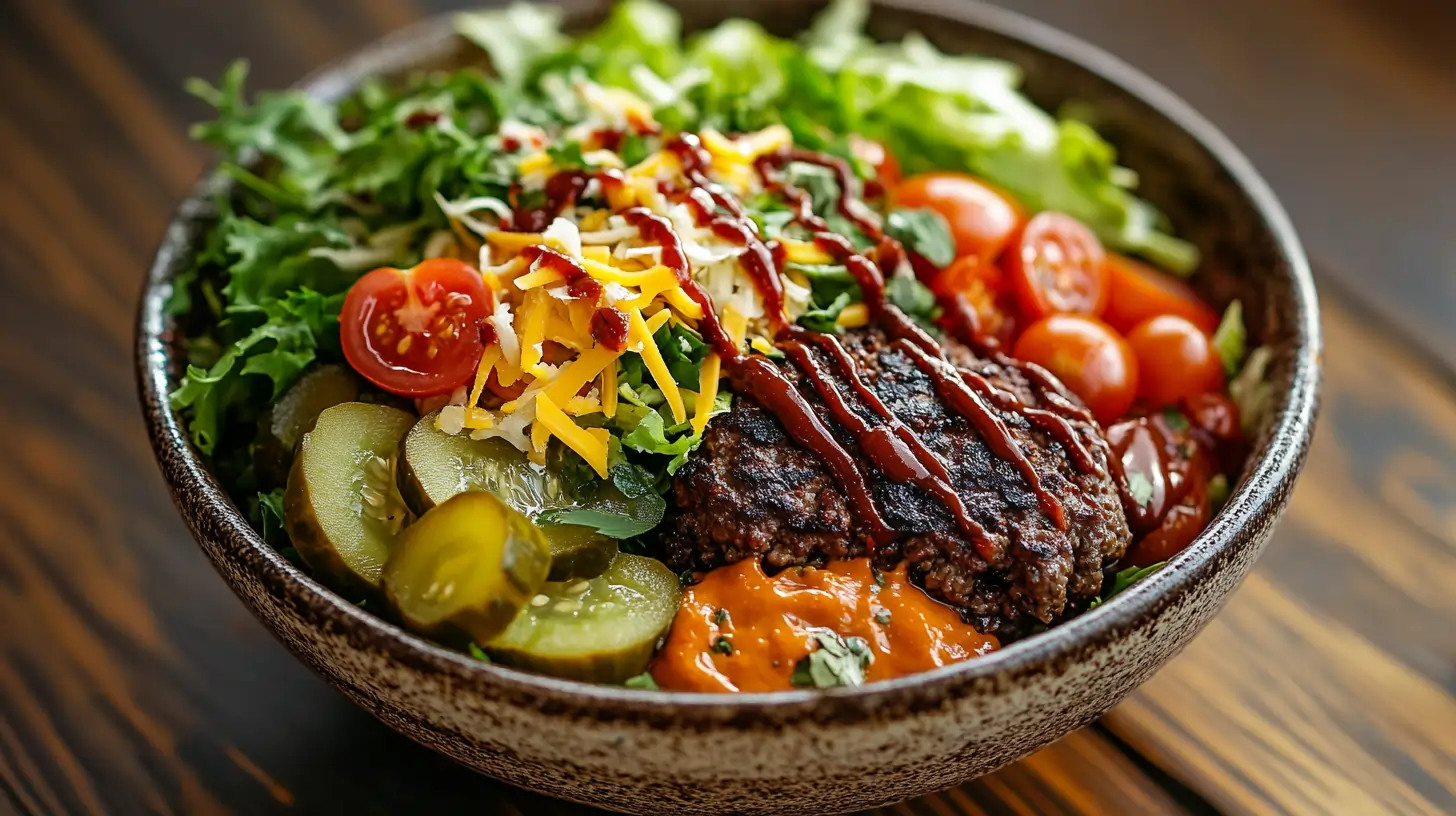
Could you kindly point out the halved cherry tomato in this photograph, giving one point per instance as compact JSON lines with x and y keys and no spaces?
{"x":982,"y":218}
{"x":1057,"y":267}
{"x":887,"y":167}
{"x":983,"y":286}
{"x":1088,"y":357}
{"x":1139,"y":291}
{"x":416,"y":332}
{"x":1176,"y":360}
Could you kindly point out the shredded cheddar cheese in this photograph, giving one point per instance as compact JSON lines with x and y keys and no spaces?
{"x":589,"y":443}
{"x":853,"y":316}
{"x":639,"y":338}
{"x":554,"y":338}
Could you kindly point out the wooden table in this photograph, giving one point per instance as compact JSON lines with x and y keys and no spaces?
{"x":132,"y":681}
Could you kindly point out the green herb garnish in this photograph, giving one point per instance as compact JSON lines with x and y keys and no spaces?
{"x":1124,"y":579}
{"x":838,"y":661}
{"x":1174,"y":419}
{"x":642,"y":681}
{"x":1140,"y":488}
{"x":1230,"y":340}
{"x":925,"y":232}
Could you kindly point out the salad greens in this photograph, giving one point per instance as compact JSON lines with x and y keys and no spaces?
{"x":327,"y":191}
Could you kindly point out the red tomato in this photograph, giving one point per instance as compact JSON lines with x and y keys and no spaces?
{"x":981,"y":217}
{"x":1216,"y":414}
{"x":1177,"y":530}
{"x":887,"y":167}
{"x":1088,"y":357}
{"x":416,"y":332}
{"x":983,"y":286}
{"x":1057,"y":267}
{"x":1139,"y":292}
{"x":1176,"y":361}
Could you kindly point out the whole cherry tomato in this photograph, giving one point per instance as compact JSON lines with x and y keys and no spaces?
{"x":1139,"y":292}
{"x":982,"y":219}
{"x":416,"y":332}
{"x":1088,"y":357}
{"x":1176,"y":361}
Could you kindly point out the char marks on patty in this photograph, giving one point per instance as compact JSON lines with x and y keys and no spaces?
{"x":750,"y":491}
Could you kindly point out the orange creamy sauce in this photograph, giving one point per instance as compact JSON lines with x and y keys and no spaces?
{"x":771,"y":622}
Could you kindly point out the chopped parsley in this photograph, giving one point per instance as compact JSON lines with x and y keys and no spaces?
{"x":642,"y":681}
{"x":723,"y":646}
{"x":839,"y":661}
{"x":722,"y":618}
{"x":925,"y":232}
{"x":1140,"y":488}
{"x":882,"y":617}
{"x":1124,"y":579}
{"x":1174,"y":419}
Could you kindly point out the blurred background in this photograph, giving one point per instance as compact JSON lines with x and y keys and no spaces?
{"x":132,"y":681}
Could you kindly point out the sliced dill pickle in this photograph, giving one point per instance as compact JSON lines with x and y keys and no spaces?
{"x":578,"y":552}
{"x":341,"y":508}
{"x":601,"y":629}
{"x":465,"y":569}
{"x":294,"y":414}
{"x":435,"y":465}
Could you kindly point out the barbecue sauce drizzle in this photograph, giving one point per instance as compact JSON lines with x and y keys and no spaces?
{"x":891,"y":446}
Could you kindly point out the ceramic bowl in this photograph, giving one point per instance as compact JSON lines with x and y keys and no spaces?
{"x":808,"y":752}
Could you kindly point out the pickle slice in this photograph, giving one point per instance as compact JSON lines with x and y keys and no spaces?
{"x":341,"y":508}
{"x":601,"y":630}
{"x":465,"y":569}
{"x":294,"y":415}
{"x":435,"y":465}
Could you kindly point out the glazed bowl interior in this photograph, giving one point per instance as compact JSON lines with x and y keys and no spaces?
{"x":1210,"y":192}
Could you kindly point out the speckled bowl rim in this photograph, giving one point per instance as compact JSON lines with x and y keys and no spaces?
{"x":1263,"y":491}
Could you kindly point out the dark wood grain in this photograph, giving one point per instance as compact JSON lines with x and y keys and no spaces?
{"x":132,"y":681}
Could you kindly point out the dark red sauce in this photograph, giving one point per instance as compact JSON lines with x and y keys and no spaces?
{"x":892,"y":447}
{"x":608,"y":138}
{"x":758,"y":261}
{"x":659,"y":230}
{"x":850,"y":207}
{"x":553,"y":259}
{"x":421,"y":119}
{"x":963,"y":391}
{"x":761,"y":379}
{"x":488,"y":335}
{"x":609,"y":328}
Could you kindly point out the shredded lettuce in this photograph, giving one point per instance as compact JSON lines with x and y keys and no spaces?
{"x":934,"y":110}
{"x":277,"y":351}
{"x":1230,"y":340}
{"x":326,"y":191}
{"x":515,"y":38}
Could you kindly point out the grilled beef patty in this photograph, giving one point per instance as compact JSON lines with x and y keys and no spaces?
{"x":749,"y":491}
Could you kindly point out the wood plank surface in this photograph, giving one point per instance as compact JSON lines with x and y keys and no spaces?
{"x":132,"y":681}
